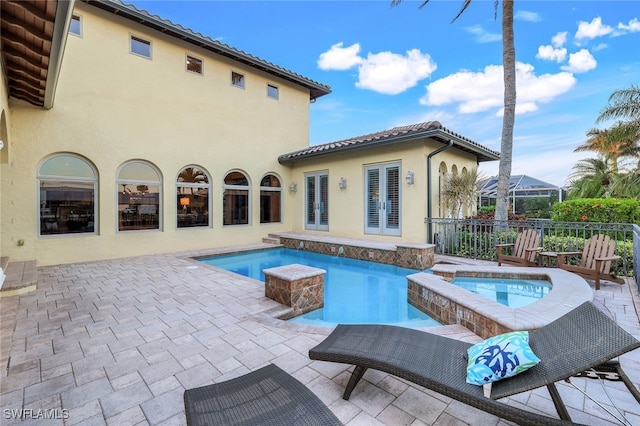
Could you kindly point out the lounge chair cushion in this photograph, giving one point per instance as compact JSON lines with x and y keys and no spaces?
{"x":499,"y":357}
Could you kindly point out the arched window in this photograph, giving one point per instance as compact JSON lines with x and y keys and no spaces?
{"x":235,"y":201}
{"x":139,"y":199}
{"x":67,"y":195}
{"x":270,"y":199}
{"x":192,"y":192}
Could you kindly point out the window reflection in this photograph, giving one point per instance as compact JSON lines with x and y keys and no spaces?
{"x":67,"y":196}
{"x":138,"y":199}
{"x":270,"y":199}
{"x":192,"y":198}
{"x":235,"y":200}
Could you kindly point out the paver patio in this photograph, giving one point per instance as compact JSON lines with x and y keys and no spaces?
{"x":117,"y":342}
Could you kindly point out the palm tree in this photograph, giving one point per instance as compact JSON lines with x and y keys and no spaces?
{"x":613,"y":144}
{"x":624,"y":104}
{"x":591,"y":179}
{"x":508,"y":119}
{"x":460,"y":190}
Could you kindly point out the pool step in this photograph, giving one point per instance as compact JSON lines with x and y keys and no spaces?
{"x":271,"y":239}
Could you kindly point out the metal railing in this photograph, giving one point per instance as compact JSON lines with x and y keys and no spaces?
{"x":636,"y":254}
{"x":477,"y":239}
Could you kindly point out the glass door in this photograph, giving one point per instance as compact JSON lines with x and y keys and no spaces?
{"x":317,"y":201}
{"x":382,"y":186}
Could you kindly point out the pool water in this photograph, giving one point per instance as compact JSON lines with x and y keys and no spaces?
{"x":514,"y":293}
{"x":355,"y":291}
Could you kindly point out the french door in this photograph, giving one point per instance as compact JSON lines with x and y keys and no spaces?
{"x":317,"y":201}
{"x":382,"y":199}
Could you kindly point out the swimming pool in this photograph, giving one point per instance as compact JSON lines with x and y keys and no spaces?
{"x":514,"y":293}
{"x":355,"y":291}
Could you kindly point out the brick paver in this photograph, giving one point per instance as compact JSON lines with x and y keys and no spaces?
{"x":118,"y":341}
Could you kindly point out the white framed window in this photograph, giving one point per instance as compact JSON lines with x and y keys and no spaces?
{"x":193,"y":187}
{"x":235,"y":200}
{"x":237,"y":79}
{"x":272,"y":91}
{"x":67,"y":195}
{"x":194,"y":64}
{"x":75,"y":26}
{"x":139,"y":194}
{"x":270,"y":199}
{"x":140,"y":46}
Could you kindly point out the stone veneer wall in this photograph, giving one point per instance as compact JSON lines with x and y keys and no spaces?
{"x":447,"y":311}
{"x":413,"y":256}
{"x":299,"y":286}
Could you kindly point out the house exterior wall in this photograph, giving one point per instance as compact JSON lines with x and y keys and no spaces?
{"x":347,"y":206}
{"x":4,"y":157}
{"x":112,"y":106}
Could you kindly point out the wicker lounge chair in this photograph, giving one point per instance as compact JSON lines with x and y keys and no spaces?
{"x":523,"y":251}
{"x":579,"y":340}
{"x":595,"y":260}
{"x":267,"y":396}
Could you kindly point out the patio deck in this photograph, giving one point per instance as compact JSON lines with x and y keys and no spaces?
{"x":117,"y":342}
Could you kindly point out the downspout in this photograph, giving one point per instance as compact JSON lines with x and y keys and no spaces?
{"x":429,"y":183}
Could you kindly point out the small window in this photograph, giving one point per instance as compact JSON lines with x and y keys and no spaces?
{"x":237,"y":79}
{"x":272,"y":91}
{"x":235,"y":199}
{"x":270,"y":200}
{"x":75,"y":27}
{"x":194,"y":64}
{"x":140,"y":46}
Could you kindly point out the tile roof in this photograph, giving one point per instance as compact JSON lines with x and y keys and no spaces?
{"x":429,"y":129}
{"x":168,"y":27}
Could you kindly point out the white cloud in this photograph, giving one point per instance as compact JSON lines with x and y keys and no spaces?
{"x":599,"y":47}
{"x":593,"y":29}
{"x":632,"y":27}
{"x":391,"y":73}
{"x":482,"y":36}
{"x":482,"y":91}
{"x":340,"y":58}
{"x":385,"y":72}
{"x":524,"y":15}
{"x":581,"y":61}
{"x":559,"y":39}
{"x":549,"y":53}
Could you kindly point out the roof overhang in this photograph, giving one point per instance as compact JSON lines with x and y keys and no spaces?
{"x":33,"y":37}
{"x":434,"y":132}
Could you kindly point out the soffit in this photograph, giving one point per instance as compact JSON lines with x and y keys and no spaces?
{"x":26,"y":36}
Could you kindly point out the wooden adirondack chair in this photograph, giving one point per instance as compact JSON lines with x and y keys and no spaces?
{"x":524,"y":250}
{"x":595,"y":260}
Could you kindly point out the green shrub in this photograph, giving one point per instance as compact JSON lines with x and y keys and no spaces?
{"x":607,"y":210}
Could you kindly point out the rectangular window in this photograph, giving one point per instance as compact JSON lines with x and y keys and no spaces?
{"x":272,"y":91}
{"x":237,"y":79}
{"x":140,"y":47}
{"x":194,"y":64}
{"x":75,"y":27}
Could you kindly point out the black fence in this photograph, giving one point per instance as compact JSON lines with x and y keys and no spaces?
{"x":477,"y":239}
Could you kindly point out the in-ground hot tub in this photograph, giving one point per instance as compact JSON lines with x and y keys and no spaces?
{"x":449,"y":304}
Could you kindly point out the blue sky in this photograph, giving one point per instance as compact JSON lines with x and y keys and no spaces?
{"x":391,"y":66}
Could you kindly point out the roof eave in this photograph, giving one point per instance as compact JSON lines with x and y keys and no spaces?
{"x":483,"y":155}
{"x":64,"y":12}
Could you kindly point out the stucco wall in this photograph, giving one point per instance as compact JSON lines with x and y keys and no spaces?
{"x":4,"y":157}
{"x":112,"y":106}
{"x":347,"y":206}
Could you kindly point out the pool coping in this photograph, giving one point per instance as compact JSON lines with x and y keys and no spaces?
{"x":487,"y":317}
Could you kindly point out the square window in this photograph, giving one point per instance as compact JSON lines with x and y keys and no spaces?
{"x":272,"y":91}
{"x":140,"y":46}
{"x":194,"y":64}
{"x":75,"y":27}
{"x":237,"y":79}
